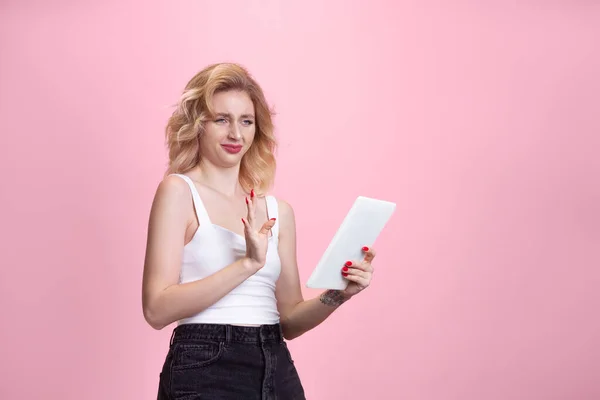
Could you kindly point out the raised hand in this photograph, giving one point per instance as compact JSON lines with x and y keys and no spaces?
{"x":257,"y":239}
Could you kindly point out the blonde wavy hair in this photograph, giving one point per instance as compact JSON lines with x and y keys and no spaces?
{"x":186,"y":124}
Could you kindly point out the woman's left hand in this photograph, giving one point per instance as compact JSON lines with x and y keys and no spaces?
{"x":359,"y":273}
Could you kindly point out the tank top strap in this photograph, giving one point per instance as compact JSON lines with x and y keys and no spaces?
{"x":273,"y":212}
{"x":201,"y":212}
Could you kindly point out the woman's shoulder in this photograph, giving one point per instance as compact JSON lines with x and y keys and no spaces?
{"x":171,"y":205}
{"x":174,"y":183}
{"x":173,"y":188}
{"x":285,"y":210}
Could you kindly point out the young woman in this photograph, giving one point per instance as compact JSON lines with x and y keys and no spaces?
{"x":221,"y":251}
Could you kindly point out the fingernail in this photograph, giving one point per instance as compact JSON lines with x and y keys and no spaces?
{"x":348,"y":263}
{"x":273,"y":219}
{"x":252,"y":193}
{"x":243,"y":222}
{"x":344,"y":274}
{"x":365,"y":248}
{"x":246,"y":200}
{"x":345,"y":269}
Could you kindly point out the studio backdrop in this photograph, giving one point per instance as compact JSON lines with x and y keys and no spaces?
{"x":479,"y":119}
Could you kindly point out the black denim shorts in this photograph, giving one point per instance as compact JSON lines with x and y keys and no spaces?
{"x":212,"y":361}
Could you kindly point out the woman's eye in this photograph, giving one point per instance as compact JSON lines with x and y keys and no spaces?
{"x":248,"y":122}
{"x":220,"y":120}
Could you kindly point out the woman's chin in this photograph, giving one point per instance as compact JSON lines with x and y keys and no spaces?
{"x":230,"y":160}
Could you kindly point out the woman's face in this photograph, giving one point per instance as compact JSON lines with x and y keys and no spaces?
{"x":229,"y":133}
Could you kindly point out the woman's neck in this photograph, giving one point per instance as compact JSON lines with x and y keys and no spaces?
{"x":224,"y":180}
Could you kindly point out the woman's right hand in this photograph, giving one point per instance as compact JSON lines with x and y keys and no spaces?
{"x":257,"y":240}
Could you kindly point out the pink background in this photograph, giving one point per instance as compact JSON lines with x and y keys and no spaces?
{"x":480,"y":119}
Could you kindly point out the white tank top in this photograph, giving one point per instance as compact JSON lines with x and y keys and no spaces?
{"x":211,"y":249}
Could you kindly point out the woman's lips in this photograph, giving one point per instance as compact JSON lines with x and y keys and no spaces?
{"x":232,"y":148}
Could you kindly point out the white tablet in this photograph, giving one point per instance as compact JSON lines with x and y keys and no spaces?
{"x":361,"y":226}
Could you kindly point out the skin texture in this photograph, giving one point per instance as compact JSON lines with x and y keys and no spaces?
{"x":173,"y":224}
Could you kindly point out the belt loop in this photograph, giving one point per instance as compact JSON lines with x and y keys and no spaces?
{"x":280,"y":333}
{"x":262,"y":335}
{"x":228,"y":333}
{"x":172,"y":336}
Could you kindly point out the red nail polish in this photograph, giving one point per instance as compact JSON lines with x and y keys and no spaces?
{"x":345,"y":269}
{"x":344,"y":274}
{"x":273,"y":219}
{"x":243,"y":222}
{"x":252,"y":193}
{"x":348,"y":263}
{"x":246,"y":200}
{"x":365,"y":248}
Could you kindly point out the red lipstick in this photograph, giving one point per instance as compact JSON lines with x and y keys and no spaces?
{"x":232,"y":148}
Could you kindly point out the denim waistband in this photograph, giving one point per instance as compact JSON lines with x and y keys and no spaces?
{"x":227,"y":333}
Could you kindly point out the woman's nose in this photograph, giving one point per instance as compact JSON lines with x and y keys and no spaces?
{"x":234,"y":132}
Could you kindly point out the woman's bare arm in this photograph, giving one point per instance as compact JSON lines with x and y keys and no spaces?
{"x":164,"y":300}
{"x":296,"y":314}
